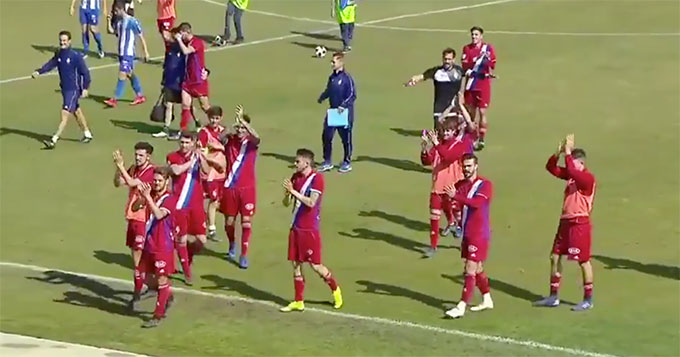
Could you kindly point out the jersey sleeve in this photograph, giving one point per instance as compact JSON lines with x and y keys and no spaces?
{"x":318,"y":184}
{"x":557,"y":171}
{"x":136,"y":27}
{"x":203,"y":138}
{"x":50,"y":65}
{"x":466,"y":61}
{"x":169,"y":205}
{"x":429,"y":73}
{"x":491,"y":57}
{"x":173,"y":159}
{"x":147,"y":176}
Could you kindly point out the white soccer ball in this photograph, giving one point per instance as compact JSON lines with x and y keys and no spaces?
{"x":320,"y":51}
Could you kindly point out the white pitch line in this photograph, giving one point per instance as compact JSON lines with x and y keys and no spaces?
{"x":377,"y":320}
{"x":537,"y":33}
{"x":285,"y":37}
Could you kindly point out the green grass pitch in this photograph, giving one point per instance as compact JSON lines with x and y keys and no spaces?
{"x":617,"y":92}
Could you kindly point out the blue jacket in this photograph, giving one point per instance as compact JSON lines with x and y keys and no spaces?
{"x":340,"y":90}
{"x":174,"y":68}
{"x":73,"y":72}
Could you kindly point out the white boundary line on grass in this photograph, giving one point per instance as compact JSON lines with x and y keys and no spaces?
{"x":285,"y":37}
{"x":9,"y":341}
{"x":377,"y":320}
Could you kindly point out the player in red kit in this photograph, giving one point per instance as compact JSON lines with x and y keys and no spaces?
{"x":304,"y":190}
{"x":443,"y":151}
{"x":474,"y":193}
{"x":573,"y":237}
{"x":195,"y":84}
{"x":135,"y":209}
{"x":186,"y":165}
{"x":238,"y":193}
{"x":209,"y":139}
{"x":479,"y":62}
{"x":157,"y":259}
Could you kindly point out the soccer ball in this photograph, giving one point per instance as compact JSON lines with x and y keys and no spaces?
{"x":320,"y":51}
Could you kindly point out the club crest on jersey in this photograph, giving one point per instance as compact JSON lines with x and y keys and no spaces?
{"x":68,"y":60}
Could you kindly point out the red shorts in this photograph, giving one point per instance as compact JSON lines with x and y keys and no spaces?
{"x":478,"y":98}
{"x":136,"y":234}
{"x":213,"y":189}
{"x":474,"y":249}
{"x":165,"y":24}
{"x":443,"y":201}
{"x":238,"y":200}
{"x":304,"y":245}
{"x":191,"y":221}
{"x":573,"y":240}
{"x":157,"y":263}
{"x":197,"y":90}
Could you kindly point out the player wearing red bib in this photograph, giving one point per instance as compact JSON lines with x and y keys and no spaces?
{"x":209,"y":140}
{"x":479,"y":62}
{"x":186,"y":165}
{"x":157,"y":259}
{"x":443,"y":151}
{"x":195,"y":84}
{"x":474,"y":193}
{"x":239,"y":191}
{"x":135,"y":208}
{"x":304,"y":190}
{"x":573,"y":237}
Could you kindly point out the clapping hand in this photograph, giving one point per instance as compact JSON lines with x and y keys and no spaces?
{"x":450,"y":190}
{"x":118,"y":159}
{"x":434,"y":139}
{"x":288,"y":185}
{"x":145,"y":189}
{"x":569,"y":144}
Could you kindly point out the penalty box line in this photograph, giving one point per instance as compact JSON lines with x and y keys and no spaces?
{"x":356,"y":317}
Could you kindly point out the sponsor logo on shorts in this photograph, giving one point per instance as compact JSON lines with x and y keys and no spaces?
{"x":574,"y":250}
{"x":139,"y":239}
{"x":160,"y":264}
{"x":310,"y":252}
{"x":250,"y":206}
{"x":472,"y":249}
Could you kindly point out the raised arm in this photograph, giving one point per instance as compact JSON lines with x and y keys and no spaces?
{"x":470,"y":125}
{"x":585,"y":181}
{"x":158,"y":212}
{"x":185,"y":49}
{"x":48,"y":66}
{"x":557,"y":171}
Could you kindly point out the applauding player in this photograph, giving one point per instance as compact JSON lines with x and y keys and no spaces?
{"x":474,"y":193}
{"x":479,"y":62}
{"x":443,"y":151}
{"x":157,"y":260}
{"x":573,"y":237}
{"x":135,"y":209}
{"x":238,"y":194}
{"x":186,"y":165}
{"x":304,"y":190}
{"x":209,"y":140}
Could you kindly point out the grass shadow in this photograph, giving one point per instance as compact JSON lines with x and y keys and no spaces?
{"x":29,"y":134}
{"x":660,"y":270}
{"x":408,"y":244}
{"x":499,"y":285}
{"x":140,"y":127}
{"x":400,"y":220}
{"x":313,"y":46}
{"x":120,"y":259}
{"x":401,"y":164}
{"x":318,"y":36}
{"x":242,"y":288}
{"x":393,"y":290}
{"x":407,"y":132}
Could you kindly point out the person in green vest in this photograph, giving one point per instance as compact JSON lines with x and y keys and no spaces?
{"x":235,"y":9}
{"x":345,"y":11}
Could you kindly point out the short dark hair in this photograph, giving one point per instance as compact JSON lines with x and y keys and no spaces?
{"x":65,"y":33}
{"x":470,"y":156}
{"x":163,"y":171}
{"x":214,"y":111}
{"x":449,"y":50}
{"x":306,"y":153}
{"x":338,"y":55}
{"x":118,"y":5}
{"x":477,"y":28}
{"x":189,"y":135}
{"x":578,"y":153}
{"x":143,"y":145}
{"x":185,"y":27}
{"x":450,"y":122}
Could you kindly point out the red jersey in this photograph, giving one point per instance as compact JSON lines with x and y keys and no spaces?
{"x":304,"y":217}
{"x":160,"y":234}
{"x":241,"y":155}
{"x":187,"y":186}
{"x":579,"y":193}
{"x":480,"y":61}
{"x":476,"y":199}
{"x":195,"y":63}
{"x":143,"y":174}
{"x":208,"y":135}
{"x":445,"y":160}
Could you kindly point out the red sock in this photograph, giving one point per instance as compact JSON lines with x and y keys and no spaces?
{"x":587,"y":291}
{"x":555,"y":284}
{"x":482,"y":282}
{"x":162,"y":300}
{"x":193,"y":249}
{"x":231,"y":233}
{"x":186,"y":118}
{"x":183,"y":254}
{"x":299,"y":287}
{"x":245,"y":238}
{"x":434,"y":232}
{"x":468,"y":288}
{"x":330,"y":280}
{"x":139,"y":281}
